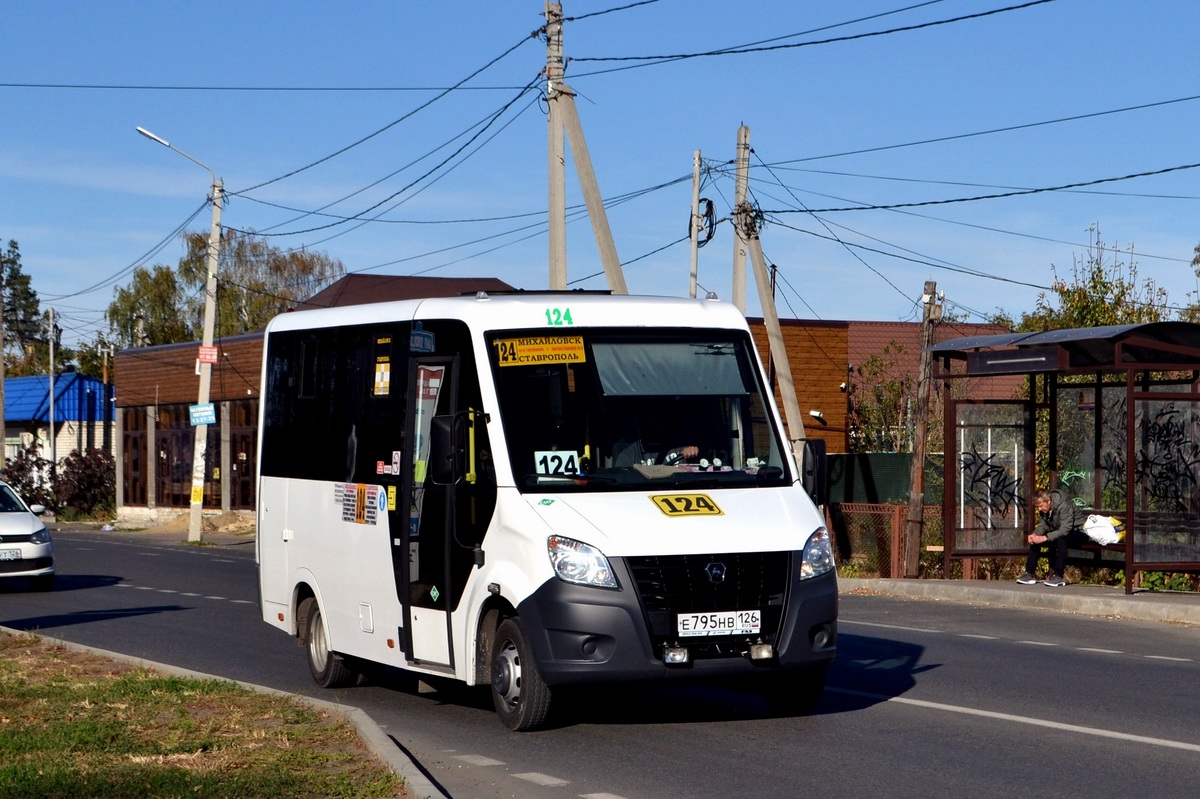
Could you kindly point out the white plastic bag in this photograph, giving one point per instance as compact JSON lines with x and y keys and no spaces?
{"x":1101,"y":529}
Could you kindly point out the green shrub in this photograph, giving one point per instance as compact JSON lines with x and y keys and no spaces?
{"x":27,"y":473}
{"x":87,"y":484}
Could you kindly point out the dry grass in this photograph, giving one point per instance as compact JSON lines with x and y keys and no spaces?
{"x":73,"y":724}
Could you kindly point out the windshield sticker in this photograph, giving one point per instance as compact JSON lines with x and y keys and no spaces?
{"x":556,"y":462}
{"x":686,"y":505}
{"x":540,"y":349}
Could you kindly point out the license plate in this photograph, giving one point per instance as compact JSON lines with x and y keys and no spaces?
{"x":730,"y":622}
{"x":10,"y":554}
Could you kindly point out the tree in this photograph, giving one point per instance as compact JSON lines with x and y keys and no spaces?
{"x":150,"y":310}
{"x":25,"y":342}
{"x":1102,"y":292}
{"x":256,"y":281}
{"x":880,"y":404}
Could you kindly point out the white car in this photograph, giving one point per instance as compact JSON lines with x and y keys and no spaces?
{"x":25,"y":548}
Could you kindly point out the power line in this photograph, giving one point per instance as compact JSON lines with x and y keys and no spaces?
{"x":394,"y":122}
{"x":609,"y":11}
{"x":405,"y":188}
{"x":147,"y":256}
{"x":997,"y":196}
{"x":292,"y":89}
{"x":769,"y":48}
{"x":1005,"y":129}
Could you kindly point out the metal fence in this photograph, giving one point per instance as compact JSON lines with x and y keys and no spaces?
{"x":869,"y":538}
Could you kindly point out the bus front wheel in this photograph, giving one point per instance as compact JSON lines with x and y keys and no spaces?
{"x":522,"y":699}
{"x":329,"y":670}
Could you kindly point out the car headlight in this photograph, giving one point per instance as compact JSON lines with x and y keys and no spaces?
{"x":40,"y":537}
{"x":818,"y":555}
{"x":577,"y":562}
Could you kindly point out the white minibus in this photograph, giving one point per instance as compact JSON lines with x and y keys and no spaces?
{"x":534,"y":490}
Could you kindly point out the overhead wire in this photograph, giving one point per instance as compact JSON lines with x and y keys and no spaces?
{"x":659,"y":59}
{"x":394,"y":122}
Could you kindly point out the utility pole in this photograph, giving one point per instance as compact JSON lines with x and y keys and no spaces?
{"x":739,"y":199}
{"x":206,"y":356}
{"x":53,"y":449}
{"x":561,"y":100}
{"x":931,"y":314}
{"x":556,"y":156}
{"x":694,"y":229}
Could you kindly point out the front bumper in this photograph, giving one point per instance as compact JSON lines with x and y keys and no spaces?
{"x":581,"y":634}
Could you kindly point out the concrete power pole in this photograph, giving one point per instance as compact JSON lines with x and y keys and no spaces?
{"x":561,"y":100}
{"x":555,"y":155}
{"x":739,"y":199}
{"x":697,"y":222}
{"x":916,"y":499}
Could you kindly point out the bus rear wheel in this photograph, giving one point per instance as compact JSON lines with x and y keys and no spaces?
{"x":329,"y":670}
{"x":521,"y":697}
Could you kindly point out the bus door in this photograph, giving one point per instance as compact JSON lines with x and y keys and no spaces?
{"x":427,"y":592}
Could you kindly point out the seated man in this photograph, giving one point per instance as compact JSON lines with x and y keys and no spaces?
{"x":1058,"y":517}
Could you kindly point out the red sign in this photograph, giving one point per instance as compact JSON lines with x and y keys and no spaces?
{"x":208,"y":354}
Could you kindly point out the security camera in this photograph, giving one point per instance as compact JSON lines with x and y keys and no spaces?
{"x":841,"y":386}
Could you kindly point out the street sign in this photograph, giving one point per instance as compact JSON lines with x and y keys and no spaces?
{"x":203,"y":414}
{"x":208,"y":354}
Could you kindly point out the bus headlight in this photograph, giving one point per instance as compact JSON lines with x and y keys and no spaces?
{"x":577,"y":562}
{"x":818,"y":555}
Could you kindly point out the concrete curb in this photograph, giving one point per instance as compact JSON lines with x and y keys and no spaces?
{"x":377,"y":741}
{"x":1082,"y":599}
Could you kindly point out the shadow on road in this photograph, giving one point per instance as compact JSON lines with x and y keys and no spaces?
{"x":868,"y":670}
{"x":62,"y":582}
{"x":48,"y":622}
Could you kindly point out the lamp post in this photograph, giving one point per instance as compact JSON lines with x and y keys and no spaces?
{"x":200,"y":449}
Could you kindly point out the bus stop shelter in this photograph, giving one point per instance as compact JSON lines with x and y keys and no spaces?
{"x":1110,"y":414}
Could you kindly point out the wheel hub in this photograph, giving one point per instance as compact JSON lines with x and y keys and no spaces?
{"x":506,"y":674}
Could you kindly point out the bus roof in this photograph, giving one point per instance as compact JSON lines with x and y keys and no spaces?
{"x":559,"y":310}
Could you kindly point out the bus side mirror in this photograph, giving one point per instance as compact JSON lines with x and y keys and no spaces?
{"x":447,"y":450}
{"x":816,"y":471}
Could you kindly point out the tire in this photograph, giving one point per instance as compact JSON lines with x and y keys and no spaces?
{"x":795,"y":693}
{"x":522,"y":699}
{"x":327,"y":668}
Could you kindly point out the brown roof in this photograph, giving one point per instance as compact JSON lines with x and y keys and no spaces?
{"x":364,"y":289}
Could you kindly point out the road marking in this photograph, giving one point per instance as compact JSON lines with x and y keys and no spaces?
{"x":1034,"y":722}
{"x":889,"y":626}
{"x":1101,"y":651}
{"x":1165,"y":657}
{"x":479,"y":760}
{"x":541,"y":779}
{"x":981,"y":637}
{"x":600,"y":796}
{"x":1036,"y":643}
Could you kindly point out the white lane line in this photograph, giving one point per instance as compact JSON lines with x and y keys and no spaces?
{"x":479,"y":760}
{"x":1165,"y":657}
{"x":1100,"y":651}
{"x":1053,"y":725}
{"x":889,"y":626}
{"x":1036,"y":643}
{"x":600,"y":796}
{"x":541,"y":779}
{"x":981,"y":637}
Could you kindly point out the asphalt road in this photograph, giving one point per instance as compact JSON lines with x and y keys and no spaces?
{"x":926,"y":698}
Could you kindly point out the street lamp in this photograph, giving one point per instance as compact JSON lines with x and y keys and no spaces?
{"x":206,"y":359}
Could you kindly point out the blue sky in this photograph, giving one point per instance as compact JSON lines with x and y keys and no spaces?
{"x":258,"y":90}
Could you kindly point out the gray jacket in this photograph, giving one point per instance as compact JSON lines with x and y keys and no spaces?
{"x":1063,"y":517}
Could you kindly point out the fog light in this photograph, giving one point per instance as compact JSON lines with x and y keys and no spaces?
{"x":761,"y":652}
{"x":822,"y":637}
{"x":675,"y":654}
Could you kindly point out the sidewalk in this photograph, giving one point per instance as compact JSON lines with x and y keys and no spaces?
{"x":1089,"y":600}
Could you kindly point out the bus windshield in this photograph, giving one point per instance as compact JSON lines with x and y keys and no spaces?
{"x":612,"y":409}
